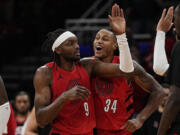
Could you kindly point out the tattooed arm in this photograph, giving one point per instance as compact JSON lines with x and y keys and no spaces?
{"x":149,"y":84}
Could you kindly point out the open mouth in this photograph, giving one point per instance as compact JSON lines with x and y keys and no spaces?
{"x":98,"y":47}
{"x":77,"y":53}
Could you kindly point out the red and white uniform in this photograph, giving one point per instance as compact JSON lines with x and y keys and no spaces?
{"x":11,"y":126}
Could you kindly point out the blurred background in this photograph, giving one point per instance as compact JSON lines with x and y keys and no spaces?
{"x":25,"y":23}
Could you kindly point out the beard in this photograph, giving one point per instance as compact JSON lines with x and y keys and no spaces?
{"x":72,"y":59}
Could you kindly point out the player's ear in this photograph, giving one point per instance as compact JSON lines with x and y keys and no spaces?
{"x":58,"y":50}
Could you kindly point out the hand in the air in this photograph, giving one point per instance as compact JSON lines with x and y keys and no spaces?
{"x":117,"y":21}
{"x":132,"y":125}
{"x":165,"y":22}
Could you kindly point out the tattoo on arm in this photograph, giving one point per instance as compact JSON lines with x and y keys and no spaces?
{"x":144,"y":79}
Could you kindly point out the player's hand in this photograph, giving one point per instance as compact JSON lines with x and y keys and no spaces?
{"x":165,"y":22}
{"x":77,"y":92}
{"x":132,"y":125}
{"x":117,"y":21}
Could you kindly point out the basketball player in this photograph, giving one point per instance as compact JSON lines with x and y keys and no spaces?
{"x":113,"y":97}
{"x":4,"y":107}
{"x":62,"y":88}
{"x":170,"y":121}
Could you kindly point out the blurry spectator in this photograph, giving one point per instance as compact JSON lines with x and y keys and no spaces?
{"x":22,"y":106}
{"x":31,"y":126}
{"x":11,"y":126}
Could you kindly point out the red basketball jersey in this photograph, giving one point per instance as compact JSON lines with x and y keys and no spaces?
{"x":113,"y":100}
{"x":76,"y":117}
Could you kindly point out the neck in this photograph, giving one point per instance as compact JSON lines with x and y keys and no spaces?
{"x":66,"y":65}
{"x":21,"y":117}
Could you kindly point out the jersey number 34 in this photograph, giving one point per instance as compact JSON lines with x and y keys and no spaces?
{"x":110,"y":106}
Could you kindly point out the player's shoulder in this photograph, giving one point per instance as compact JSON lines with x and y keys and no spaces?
{"x":43,"y":76}
{"x":88,"y":63}
{"x":88,"y":60}
{"x":44,"y":70}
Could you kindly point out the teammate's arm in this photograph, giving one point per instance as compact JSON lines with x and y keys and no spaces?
{"x":31,"y":126}
{"x":44,"y":107}
{"x":118,"y":24}
{"x":160,"y":63}
{"x":149,"y":84}
{"x":172,"y":108}
{"x":170,"y":111}
{"x":98,"y":68}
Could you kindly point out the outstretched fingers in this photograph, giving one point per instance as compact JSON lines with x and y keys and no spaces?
{"x":122,"y":13}
{"x":163,"y":14}
{"x":169,"y":15}
{"x":113,"y":12}
{"x":118,"y":11}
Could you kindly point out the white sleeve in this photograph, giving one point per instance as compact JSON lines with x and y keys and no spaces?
{"x":160,"y":63}
{"x":126,"y":63}
{"x":4,"y":116}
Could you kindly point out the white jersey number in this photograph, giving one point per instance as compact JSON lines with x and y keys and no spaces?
{"x":108,"y":104}
{"x":86,"y":108}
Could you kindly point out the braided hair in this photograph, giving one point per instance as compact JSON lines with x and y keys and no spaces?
{"x":47,"y":45}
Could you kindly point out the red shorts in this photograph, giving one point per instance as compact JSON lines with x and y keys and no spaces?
{"x":65,"y":133}
{"x":107,"y":132}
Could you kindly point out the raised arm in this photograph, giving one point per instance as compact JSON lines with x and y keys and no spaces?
{"x":44,"y":107}
{"x":149,"y":84}
{"x":160,"y":63}
{"x":118,"y":24}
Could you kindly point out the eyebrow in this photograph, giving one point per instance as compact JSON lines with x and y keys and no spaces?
{"x":106,"y":36}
